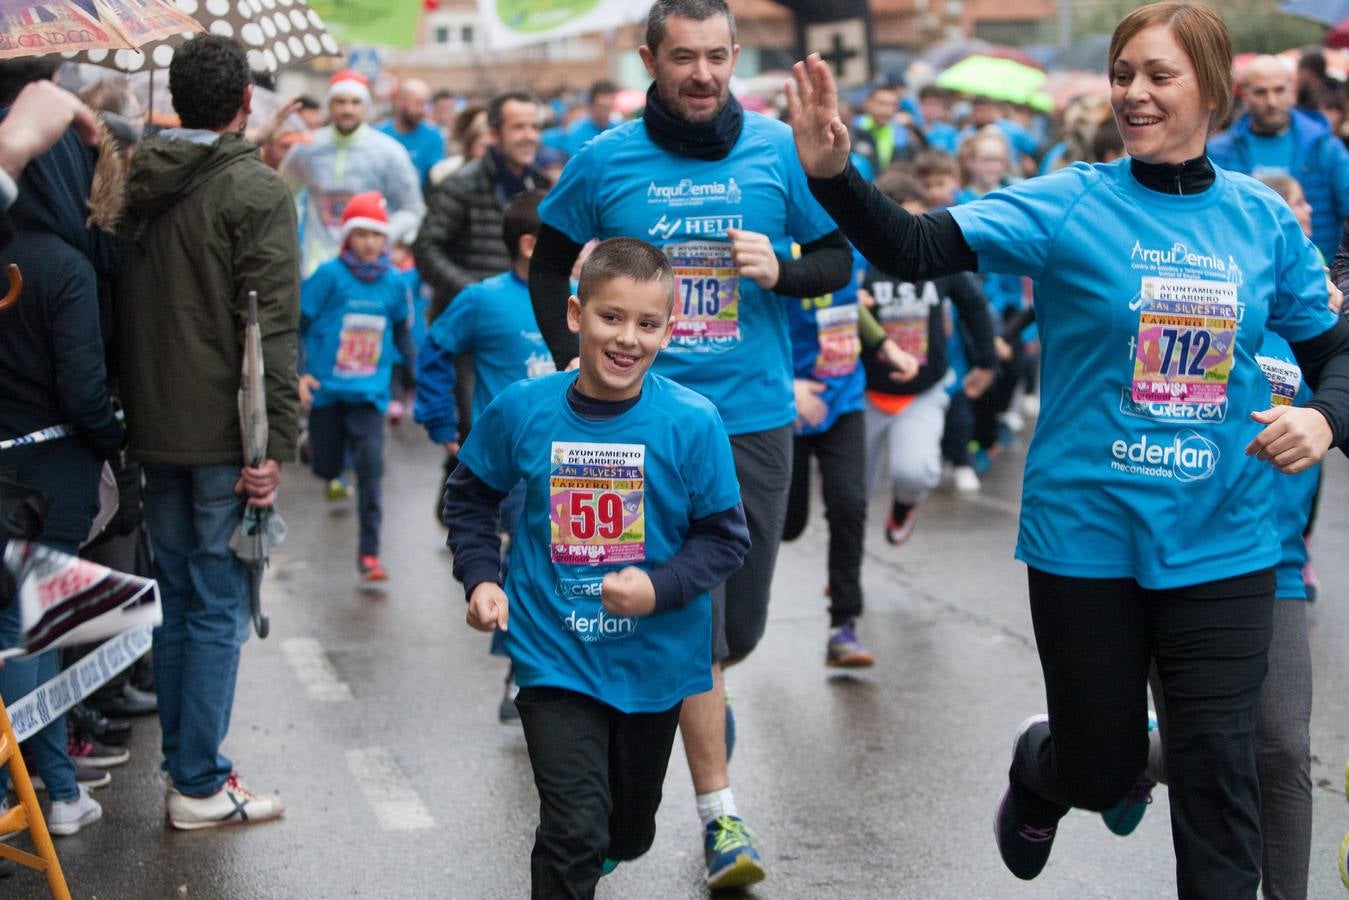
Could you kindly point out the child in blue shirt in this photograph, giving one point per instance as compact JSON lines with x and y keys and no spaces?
{"x":354,"y":310}
{"x":493,"y":322}
{"x":632,"y":513}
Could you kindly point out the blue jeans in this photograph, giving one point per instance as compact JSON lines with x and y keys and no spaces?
{"x":18,"y":678}
{"x":352,"y":432}
{"x":191,"y":511}
{"x":67,"y":472}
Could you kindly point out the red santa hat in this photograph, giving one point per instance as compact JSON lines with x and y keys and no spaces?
{"x":347,"y":83}
{"x":368,"y":211}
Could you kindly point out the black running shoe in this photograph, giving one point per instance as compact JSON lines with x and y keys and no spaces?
{"x":1023,"y":844}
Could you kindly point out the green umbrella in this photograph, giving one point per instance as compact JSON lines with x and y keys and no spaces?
{"x":994,"y":77}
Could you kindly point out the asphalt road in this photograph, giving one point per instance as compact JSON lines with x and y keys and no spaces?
{"x":374,"y":714}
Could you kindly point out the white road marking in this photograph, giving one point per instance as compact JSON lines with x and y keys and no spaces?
{"x":313,"y":670}
{"x":388,"y":790}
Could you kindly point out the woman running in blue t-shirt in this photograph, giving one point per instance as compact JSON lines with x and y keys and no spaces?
{"x":1147,"y":522}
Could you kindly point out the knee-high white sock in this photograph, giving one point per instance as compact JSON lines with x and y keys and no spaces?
{"x":715,"y":804}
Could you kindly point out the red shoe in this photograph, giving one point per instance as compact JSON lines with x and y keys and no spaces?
{"x":372,"y":569}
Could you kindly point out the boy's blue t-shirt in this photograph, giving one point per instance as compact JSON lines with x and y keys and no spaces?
{"x":1151,"y":308}
{"x":494,"y":320}
{"x":1293,"y":494}
{"x":731,"y":343}
{"x":600,"y":496}
{"x":826,"y":348}
{"x":347,"y":326}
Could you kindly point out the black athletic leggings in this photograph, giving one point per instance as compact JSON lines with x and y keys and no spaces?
{"x":1096,"y":639}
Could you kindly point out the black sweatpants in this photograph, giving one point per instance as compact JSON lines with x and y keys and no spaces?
{"x":1096,"y":639}
{"x":842,"y":454}
{"x":599,"y":773}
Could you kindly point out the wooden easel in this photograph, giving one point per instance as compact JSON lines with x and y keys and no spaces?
{"x":27,"y":816}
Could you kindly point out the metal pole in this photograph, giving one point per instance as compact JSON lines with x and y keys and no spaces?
{"x":1065,"y":23}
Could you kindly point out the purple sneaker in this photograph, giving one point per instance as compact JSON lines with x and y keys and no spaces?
{"x":845,"y":651}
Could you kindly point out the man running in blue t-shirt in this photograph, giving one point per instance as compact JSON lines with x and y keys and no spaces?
{"x":689,"y":177}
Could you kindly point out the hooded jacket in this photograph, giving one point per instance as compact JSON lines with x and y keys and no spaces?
{"x":1320,"y":163}
{"x":52,"y":360}
{"x":205,"y":223}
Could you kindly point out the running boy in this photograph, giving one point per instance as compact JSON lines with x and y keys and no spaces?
{"x":632,"y":512}
{"x":353,"y":311}
{"x":910,"y":417}
{"x":492,"y":321}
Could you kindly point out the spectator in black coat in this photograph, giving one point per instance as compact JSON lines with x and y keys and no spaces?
{"x":53,"y":373}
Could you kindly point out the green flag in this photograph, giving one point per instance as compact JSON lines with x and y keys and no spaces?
{"x":387,"y":23}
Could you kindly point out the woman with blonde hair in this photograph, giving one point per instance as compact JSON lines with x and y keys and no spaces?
{"x":1147,"y":518}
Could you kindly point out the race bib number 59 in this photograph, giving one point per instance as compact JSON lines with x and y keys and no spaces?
{"x":596,"y":508}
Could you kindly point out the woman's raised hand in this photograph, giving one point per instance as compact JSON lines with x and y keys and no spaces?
{"x":812,"y":103}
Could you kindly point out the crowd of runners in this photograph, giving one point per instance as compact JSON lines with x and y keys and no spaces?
{"x":632,"y":336}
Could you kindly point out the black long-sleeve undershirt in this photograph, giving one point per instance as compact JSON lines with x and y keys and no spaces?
{"x":1324,"y":361}
{"x":549,"y":286}
{"x":914,"y":248}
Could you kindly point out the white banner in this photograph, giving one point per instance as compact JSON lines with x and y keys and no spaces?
{"x":516,"y":23}
{"x":36,"y":711}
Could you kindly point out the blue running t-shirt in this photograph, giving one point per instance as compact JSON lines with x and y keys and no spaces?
{"x":347,"y":327}
{"x":730,"y":342}
{"x":1151,"y":309}
{"x":599,"y":496}
{"x":827,"y":348}
{"x":1293,"y":494}
{"x":494,"y":320}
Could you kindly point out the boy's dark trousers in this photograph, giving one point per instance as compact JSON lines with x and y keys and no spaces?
{"x":358,"y":429}
{"x":599,"y":773}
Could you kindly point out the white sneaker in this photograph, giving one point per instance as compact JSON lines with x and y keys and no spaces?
{"x":233,"y":804}
{"x":965,"y":480}
{"x":68,"y":816}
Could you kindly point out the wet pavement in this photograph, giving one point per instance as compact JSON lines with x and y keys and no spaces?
{"x":374,"y":714}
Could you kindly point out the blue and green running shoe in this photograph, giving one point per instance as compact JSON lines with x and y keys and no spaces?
{"x":732,"y":861}
{"x":1124,"y":816}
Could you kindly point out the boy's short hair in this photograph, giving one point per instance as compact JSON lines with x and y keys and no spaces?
{"x":929,"y":162}
{"x":519,"y":218}
{"x":901,"y":187}
{"x":1283,"y":185}
{"x":624,"y":257}
{"x":207,"y":80}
